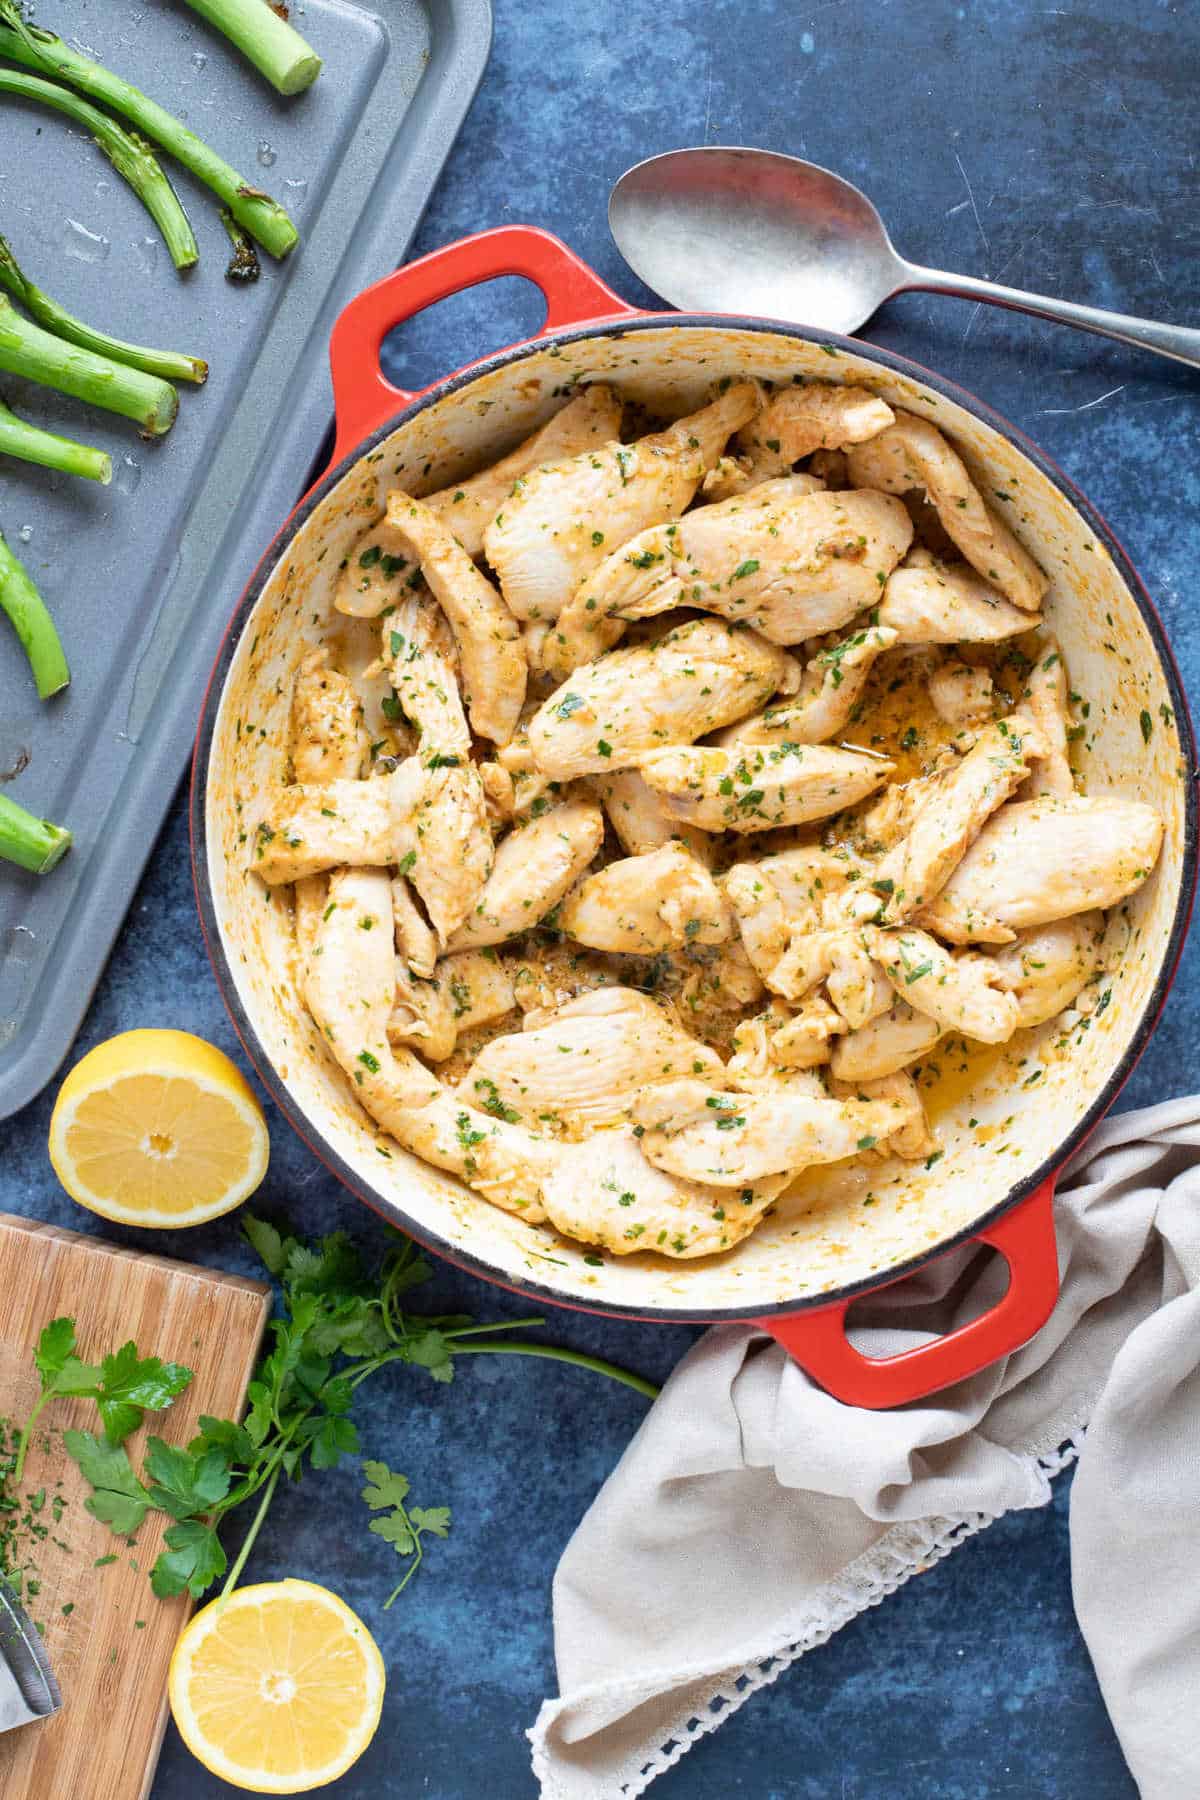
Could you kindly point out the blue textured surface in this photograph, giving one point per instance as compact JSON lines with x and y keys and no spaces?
{"x":1050,"y":147}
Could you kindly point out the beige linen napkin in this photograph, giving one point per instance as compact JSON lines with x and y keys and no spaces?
{"x":753,"y":1515}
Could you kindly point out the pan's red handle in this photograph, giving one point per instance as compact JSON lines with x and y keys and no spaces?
{"x":364,"y":399}
{"x":1024,"y":1237}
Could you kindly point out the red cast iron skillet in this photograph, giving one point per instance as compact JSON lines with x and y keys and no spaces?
{"x":368,"y":409}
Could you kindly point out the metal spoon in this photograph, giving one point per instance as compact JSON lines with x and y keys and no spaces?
{"x":749,"y":231}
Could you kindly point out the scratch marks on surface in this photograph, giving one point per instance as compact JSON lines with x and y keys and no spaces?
{"x":708,"y":97}
{"x":1052,"y":412}
{"x":974,"y":209}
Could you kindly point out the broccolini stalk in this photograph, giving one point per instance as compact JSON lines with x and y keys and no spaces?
{"x":274,"y":47}
{"x":30,"y":444}
{"x":34,"y":844}
{"x":168,"y":364}
{"x":33,"y":625}
{"x":25,"y":349}
{"x":35,"y":48}
{"x":127,"y":154}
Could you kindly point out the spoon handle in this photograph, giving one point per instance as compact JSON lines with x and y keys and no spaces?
{"x":1176,"y":341}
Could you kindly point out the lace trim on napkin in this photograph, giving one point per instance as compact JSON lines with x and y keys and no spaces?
{"x":907,"y":1550}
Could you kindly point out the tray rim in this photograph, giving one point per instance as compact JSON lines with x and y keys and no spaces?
{"x":460,"y":46}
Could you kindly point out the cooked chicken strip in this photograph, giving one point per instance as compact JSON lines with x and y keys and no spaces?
{"x":452,"y":854}
{"x":374,"y":573}
{"x":640,"y":819}
{"x":914,"y":454}
{"x":1047,"y":966}
{"x":467,"y":990}
{"x":888,"y":1043}
{"x":423,"y":677}
{"x":889,"y":818}
{"x":792,"y":567}
{"x":422,"y":1017}
{"x":729,"y":1139}
{"x":854,"y":983}
{"x":1046,"y":859}
{"x":912,"y":1139}
{"x":783,"y":1040}
{"x":308,"y":903}
{"x":305,"y":830}
{"x":961,"y":993}
{"x":654,"y":569}
{"x":962,"y":695}
{"x":944,"y":828}
{"x":480,"y":987}
{"x":928,"y":602}
{"x":416,"y":941}
{"x":816,"y":415}
{"x":329,"y":739}
{"x":535,"y":866}
{"x":351,"y":992}
{"x":643,"y":904}
{"x":815,"y":956}
{"x":1046,"y":694}
{"x":452,"y":848}
{"x":589,"y":421}
{"x":610,"y":1194}
{"x":777,"y":897}
{"x":671,"y":691}
{"x":795,"y":423}
{"x":490,"y":652}
{"x":583,"y":1067}
{"x":829,"y":692}
{"x":566,"y":516}
{"x":758,"y":788}
{"x":381,"y":561}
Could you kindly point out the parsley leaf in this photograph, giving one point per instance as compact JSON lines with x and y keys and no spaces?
{"x":119,"y":1500}
{"x":399,"y":1525}
{"x":130,"y":1386}
{"x":192,"y":1560}
{"x":185,"y":1482}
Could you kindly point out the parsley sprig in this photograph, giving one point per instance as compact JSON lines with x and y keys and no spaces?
{"x":339,"y":1324}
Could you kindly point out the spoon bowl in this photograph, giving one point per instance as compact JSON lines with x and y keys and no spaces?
{"x":751,"y":231}
{"x":734,"y":230}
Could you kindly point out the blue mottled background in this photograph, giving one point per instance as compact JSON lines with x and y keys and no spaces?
{"x":1051,"y":147}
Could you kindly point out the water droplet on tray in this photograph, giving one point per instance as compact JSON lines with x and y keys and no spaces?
{"x":807,"y":43}
{"x":199,"y":60}
{"x":88,"y":246}
{"x":128,"y":474}
{"x":145,"y":254}
{"x":266,"y":155}
{"x":26,"y":534}
{"x":102,"y":187}
{"x":16,"y":958}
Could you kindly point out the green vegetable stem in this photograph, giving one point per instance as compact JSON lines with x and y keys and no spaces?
{"x":131,"y":158}
{"x":274,"y":47}
{"x":32,"y":843}
{"x":35,"y":48}
{"x":30,"y":444}
{"x":32,"y":623}
{"x":37,"y":355}
{"x":170,"y":365}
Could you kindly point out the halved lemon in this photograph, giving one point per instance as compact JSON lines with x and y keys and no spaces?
{"x":277,"y":1688}
{"x":158,"y":1128}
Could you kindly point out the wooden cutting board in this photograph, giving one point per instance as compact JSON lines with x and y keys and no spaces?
{"x":111,"y":1648}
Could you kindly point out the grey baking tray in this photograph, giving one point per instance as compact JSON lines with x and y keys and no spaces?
{"x":142,"y":576}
